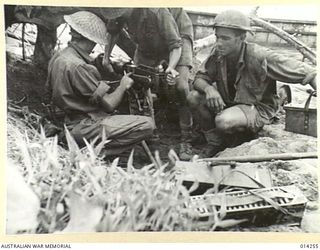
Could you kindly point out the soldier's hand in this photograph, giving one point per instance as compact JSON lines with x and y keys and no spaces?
{"x":126,"y":82}
{"x":214,"y":99}
{"x":172,"y":75}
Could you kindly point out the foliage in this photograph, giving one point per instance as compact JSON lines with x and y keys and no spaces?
{"x":80,"y":192}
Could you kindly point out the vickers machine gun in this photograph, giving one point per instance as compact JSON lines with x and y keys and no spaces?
{"x":146,"y":80}
{"x":156,"y":74}
{"x":144,"y":76}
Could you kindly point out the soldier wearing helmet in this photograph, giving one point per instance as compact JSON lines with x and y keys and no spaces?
{"x":235,"y":87}
{"x":88,"y":102}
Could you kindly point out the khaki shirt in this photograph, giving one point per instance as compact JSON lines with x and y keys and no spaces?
{"x":154,"y":31}
{"x":258,"y":69}
{"x":76,"y":84}
{"x":183,"y":22}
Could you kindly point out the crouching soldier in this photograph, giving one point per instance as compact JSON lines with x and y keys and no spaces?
{"x":235,"y":87}
{"x":86,"y":99}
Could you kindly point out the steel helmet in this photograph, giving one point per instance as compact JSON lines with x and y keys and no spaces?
{"x":232,"y":19}
{"x":88,"y":25}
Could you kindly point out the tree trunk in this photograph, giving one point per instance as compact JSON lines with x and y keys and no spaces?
{"x":45,"y":43}
{"x":301,"y":47}
{"x":9,"y":17}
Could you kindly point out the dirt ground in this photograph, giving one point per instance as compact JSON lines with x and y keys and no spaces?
{"x":26,"y":88}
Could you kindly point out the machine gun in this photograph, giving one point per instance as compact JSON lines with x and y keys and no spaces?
{"x":164,"y":94}
{"x":144,"y":76}
{"x":156,"y":74}
{"x":138,"y":99}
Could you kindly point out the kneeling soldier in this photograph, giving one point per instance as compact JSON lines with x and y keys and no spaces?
{"x":78,"y":89}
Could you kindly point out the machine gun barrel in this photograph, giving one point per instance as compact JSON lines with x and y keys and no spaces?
{"x":142,"y":81}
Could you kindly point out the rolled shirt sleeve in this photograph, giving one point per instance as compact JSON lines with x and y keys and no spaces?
{"x":168,"y":29}
{"x":98,"y":94}
{"x":183,"y":22}
{"x":286,"y":69}
{"x":87,"y":83}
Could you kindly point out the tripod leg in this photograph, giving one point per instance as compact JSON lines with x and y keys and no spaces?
{"x":149,"y":154}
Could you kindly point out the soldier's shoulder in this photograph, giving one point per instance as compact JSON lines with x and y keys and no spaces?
{"x":67,"y":58}
{"x":256,"y":50}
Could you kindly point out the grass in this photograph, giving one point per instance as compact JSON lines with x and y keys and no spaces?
{"x":79,"y":191}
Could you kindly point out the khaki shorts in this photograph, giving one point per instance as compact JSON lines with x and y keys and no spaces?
{"x":254,"y":120}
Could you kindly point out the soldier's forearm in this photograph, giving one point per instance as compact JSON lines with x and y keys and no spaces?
{"x":111,"y":101}
{"x":174,"y":57}
{"x":200,"y":85}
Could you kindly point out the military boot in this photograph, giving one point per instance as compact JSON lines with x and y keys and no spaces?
{"x":185,"y":150}
{"x":215,"y":143}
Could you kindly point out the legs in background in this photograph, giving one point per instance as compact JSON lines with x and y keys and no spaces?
{"x":185,"y":115}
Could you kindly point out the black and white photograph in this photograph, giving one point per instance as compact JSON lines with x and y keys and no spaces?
{"x":184,"y":119}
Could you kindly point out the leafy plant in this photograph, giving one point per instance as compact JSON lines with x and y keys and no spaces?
{"x":80,"y":192}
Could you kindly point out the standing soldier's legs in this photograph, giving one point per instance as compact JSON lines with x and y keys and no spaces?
{"x":185,"y":115}
{"x":182,"y":92}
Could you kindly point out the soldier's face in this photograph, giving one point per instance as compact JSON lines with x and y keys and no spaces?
{"x":227,"y":41}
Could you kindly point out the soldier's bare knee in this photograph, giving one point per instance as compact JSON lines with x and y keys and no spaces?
{"x":224,"y":123}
